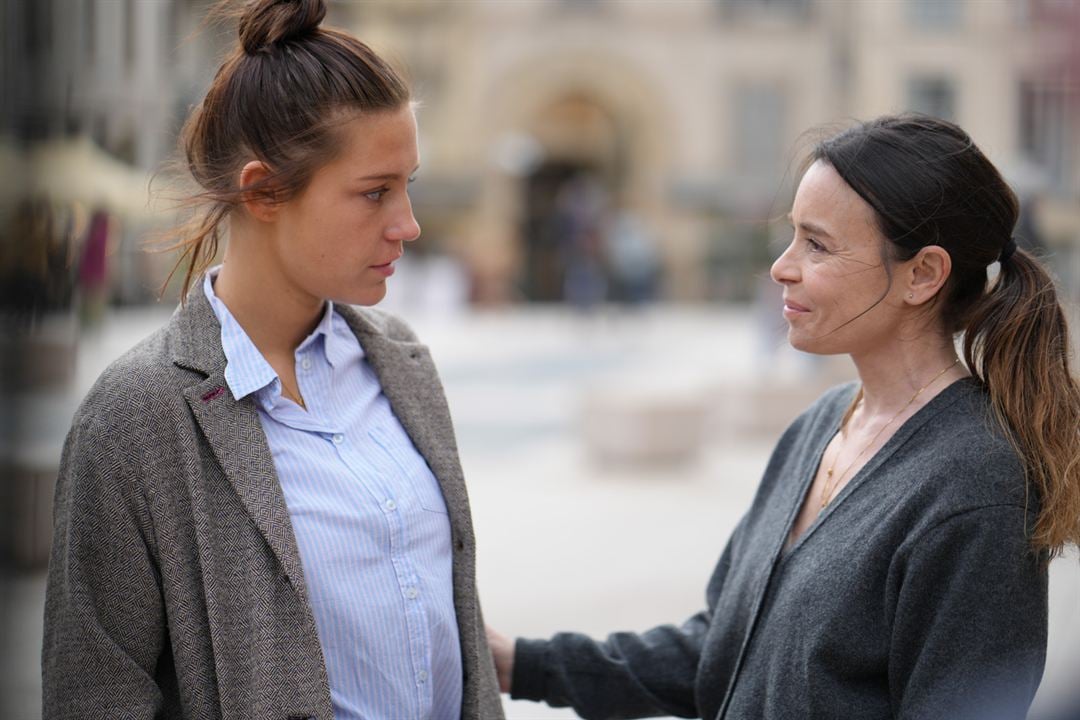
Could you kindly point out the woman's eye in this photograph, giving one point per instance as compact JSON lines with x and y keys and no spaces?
{"x":375,"y":195}
{"x":814,"y":245}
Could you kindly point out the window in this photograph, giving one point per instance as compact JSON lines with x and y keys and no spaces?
{"x":39,"y":28}
{"x":775,"y":5}
{"x":759,"y":123}
{"x":89,"y":28}
{"x":1043,"y":128}
{"x":933,"y":95}
{"x":129,"y":33}
{"x":797,"y":9}
{"x":935,"y":14}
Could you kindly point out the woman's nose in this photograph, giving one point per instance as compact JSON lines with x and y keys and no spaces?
{"x":405,"y":228}
{"x":784,"y":270}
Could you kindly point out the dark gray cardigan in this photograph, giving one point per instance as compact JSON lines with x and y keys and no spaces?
{"x":913,"y":595}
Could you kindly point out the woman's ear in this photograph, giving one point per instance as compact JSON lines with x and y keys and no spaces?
{"x":260,"y":203}
{"x":925,"y":274}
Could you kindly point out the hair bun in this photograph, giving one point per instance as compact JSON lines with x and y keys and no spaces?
{"x":266,"y":23}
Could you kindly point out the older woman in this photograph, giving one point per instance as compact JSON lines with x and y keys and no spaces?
{"x":893,"y":562}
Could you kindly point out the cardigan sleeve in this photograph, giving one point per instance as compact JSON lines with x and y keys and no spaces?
{"x":968,"y":638}
{"x":628,"y":675}
{"x":104,"y":614}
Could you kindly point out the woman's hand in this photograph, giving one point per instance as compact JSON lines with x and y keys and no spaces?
{"x":502,"y":649}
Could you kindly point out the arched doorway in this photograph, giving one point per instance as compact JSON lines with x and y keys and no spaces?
{"x":567,"y":198}
{"x":580,"y":113}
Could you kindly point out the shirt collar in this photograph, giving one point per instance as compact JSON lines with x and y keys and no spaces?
{"x":338,"y":341}
{"x":341,"y":343}
{"x":246,"y":370}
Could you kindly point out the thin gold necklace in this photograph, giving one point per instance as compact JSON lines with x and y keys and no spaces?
{"x":830,"y":481}
{"x":297,"y":398}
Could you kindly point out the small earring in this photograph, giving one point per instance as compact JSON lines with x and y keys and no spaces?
{"x":910,"y":295}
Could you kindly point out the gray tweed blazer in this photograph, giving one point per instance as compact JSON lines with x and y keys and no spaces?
{"x":175,"y":587}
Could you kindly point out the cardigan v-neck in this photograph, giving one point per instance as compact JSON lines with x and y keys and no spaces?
{"x":934,"y":405}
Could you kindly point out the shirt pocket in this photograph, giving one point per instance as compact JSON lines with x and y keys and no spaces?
{"x":418,"y":480}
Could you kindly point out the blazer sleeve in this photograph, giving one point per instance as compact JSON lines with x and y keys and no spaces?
{"x":104,"y":614}
{"x":969,"y":631}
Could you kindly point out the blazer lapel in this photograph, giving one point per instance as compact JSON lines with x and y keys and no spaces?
{"x":234,"y":433}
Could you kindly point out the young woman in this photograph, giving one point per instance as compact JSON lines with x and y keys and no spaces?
{"x":893,"y":563}
{"x":260,"y":511}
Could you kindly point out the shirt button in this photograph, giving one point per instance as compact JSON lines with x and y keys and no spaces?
{"x":411,"y":593}
{"x":390,"y":505}
{"x":305,"y":363}
{"x":338,"y":439}
{"x":422,"y":676}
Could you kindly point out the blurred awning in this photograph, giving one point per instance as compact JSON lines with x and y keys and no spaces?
{"x":74,"y":170}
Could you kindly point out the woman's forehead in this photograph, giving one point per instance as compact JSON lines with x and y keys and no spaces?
{"x":826,"y":201}
{"x":379,"y":143}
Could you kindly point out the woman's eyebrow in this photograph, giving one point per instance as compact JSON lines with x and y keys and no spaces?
{"x":387,"y":176}
{"x":810,"y":227}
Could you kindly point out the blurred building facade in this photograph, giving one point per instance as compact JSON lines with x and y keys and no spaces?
{"x":693,"y":112}
{"x":545,"y":124}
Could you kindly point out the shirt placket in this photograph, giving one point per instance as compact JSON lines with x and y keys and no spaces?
{"x":408,"y":580}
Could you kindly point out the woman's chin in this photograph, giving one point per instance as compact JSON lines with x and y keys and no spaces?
{"x":372,"y":295}
{"x":800,"y":343}
{"x":811,"y":346}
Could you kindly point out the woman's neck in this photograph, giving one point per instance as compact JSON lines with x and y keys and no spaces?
{"x":892,"y":375}
{"x":275,"y":314}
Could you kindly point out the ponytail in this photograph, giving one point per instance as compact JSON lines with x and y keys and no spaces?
{"x":1016,"y":343}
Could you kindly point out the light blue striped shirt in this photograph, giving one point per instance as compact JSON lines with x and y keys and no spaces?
{"x":369,"y":519}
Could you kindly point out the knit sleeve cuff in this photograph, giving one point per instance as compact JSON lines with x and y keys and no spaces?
{"x":529,"y":679}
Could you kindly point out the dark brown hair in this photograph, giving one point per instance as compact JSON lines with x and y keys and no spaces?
{"x":279,"y":98}
{"x":930,"y":185}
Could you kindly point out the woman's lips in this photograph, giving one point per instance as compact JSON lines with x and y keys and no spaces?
{"x":792,"y":309}
{"x":385,"y":270}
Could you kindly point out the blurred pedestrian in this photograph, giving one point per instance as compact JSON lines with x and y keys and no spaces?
{"x":25,"y":263}
{"x":893,"y":563}
{"x":93,"y":270}
{"x":632,"y":257}
{"x":260,"y":511}
{"x":580,"y":209}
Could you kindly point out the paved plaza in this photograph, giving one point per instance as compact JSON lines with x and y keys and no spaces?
{"x":580,"y":525}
